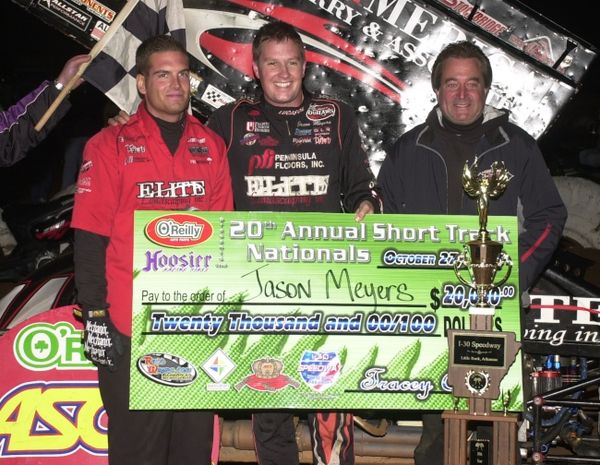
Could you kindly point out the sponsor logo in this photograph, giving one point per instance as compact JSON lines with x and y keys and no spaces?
{"x":258,"y":126}
{"x":322,"y":140}
{"x":198,"y":150}
{"x":133,"y":159}
{"x":483,"y":20}
{"x":291,"y":112}
{"x":218,"y":367}
{"x":268,"y":141}
{"x":45,"y":346}
{"x":548,"y":324}
{"x":320,"y":112}
{"x":196,"y":140}
{"x":84,"y":181}
{"x":86,"y":166}
{"x":320,"y":370}
{"x":303,"y":132}
{"x":135,"y":148}
{"x":99,"y":30}
{"x":267,"y":376}
{"x":540,"y":48}
{"x":98,"y":8}
{"x":216,"y":97}
{"x":286,"y":186}
{"x":178,"y":230}
{"x":62,"y":9}
{"x":301,"y":140}
{"x":322,"y":129}
{"x":52,"y":419}
{"x":171,"y":190}
{"x":261,"y":161}
{"x":287,"y":161}
{"x":157,"y":260}
{"x":167,"y":369}
{"x":249,"y":139}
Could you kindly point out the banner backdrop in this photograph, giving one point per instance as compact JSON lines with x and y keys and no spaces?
{"x":304,"y":310}
{"x":375,"y":55}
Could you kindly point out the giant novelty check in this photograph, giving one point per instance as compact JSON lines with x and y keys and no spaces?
{"x":304,"y":310}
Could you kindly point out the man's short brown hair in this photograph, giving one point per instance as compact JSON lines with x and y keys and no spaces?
{"x":463,"y":49}
{"x":155,"y":44}
{"x":279,"y":32}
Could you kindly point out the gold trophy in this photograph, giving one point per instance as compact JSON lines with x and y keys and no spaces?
{"x":479,"y":358}
{"x":483,"y":257}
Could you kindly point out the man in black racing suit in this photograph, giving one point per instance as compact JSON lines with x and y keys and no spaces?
{"x":291,"y":151}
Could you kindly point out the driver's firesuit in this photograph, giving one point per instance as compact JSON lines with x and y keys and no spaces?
{"x":145,"y":164}
{"x":307,"y":158}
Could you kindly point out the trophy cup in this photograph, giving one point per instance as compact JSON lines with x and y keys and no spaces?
{"x":479,"y":358}
{"x":483,"y":257}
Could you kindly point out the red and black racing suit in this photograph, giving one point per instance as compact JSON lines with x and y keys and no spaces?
{"x":307,"y":158}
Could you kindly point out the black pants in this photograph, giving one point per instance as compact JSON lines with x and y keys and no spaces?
{"x":332,"y":438}
{"x":151,"y":437}
{"x":430,"y":450}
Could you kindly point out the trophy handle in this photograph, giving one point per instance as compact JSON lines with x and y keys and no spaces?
{"x":460,"y":264}
{"x":503,"y":259}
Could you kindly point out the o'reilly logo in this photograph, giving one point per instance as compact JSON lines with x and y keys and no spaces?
{"x":46,"y":346}
{"x":179,"y":230}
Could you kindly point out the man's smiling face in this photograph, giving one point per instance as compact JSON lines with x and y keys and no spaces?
{"x":280,"y":68}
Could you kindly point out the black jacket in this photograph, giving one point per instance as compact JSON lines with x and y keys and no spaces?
{"x":414,"y":179}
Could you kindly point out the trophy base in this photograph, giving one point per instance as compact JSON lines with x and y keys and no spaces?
{"x":460,"y":448}
{"x":490,"y":311}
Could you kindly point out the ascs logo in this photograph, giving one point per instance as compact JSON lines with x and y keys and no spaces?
{"x":179,"y":230}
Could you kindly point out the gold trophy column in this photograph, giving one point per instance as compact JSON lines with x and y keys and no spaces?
{"x":480,"y":382}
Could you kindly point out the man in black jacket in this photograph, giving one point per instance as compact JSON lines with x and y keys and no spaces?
{"x":422,"y":174}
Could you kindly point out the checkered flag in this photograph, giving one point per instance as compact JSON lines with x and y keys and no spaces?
{"x":113,"y":70}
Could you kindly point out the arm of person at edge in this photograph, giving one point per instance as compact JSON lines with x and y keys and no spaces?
{"x":544,"y":215}
{"x":17,"y":124}
{"x":357,"y":181}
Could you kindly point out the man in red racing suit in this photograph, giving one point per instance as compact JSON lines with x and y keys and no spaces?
{"x":162,"y":159}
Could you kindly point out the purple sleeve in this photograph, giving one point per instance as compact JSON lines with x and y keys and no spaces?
{"x":17,"y":124}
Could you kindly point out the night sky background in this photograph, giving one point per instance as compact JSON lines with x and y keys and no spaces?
{"x":31,"y":51}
